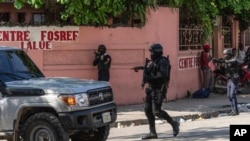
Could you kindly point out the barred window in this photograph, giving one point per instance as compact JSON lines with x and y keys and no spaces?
{"x":247,"y":34}
{"x":190,"y":38}
{"x":190,"y":32}
{"x":226,"y":31}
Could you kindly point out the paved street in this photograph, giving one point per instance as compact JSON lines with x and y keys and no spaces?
{"x":214,"y":129}
{"x":184,"y":110}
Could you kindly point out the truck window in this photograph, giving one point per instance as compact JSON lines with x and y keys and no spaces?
{"x":4,"y":67}
{"x":23,"y":65}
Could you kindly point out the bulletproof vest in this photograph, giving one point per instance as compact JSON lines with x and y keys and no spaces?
{"x":154,"y":72}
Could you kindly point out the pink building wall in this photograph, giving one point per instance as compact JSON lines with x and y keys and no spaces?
{"x":127,"y":46}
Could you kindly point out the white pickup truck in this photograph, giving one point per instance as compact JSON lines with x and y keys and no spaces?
{"x":38,"y":108}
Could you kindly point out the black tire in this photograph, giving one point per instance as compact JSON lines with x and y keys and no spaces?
{"x":100,"y":134}
{"x":43,"y":126}
{"x":220,"y":85}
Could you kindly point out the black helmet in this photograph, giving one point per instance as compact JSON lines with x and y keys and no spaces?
{"x":102,"y":49}
{"x":156,"y":50}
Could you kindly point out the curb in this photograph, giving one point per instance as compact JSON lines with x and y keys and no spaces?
{"x":137,"y":122}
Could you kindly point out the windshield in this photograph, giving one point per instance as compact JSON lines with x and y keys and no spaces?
{"x":16,"y":65}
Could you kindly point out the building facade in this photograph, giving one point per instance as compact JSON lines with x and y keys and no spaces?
{"x":68,"y":51}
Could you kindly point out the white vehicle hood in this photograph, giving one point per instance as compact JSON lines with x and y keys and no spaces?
{"x":58,"y":85}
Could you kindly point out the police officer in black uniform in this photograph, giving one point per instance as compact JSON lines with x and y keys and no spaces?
{"x":156,"y":77}
{"x":103,"y":62}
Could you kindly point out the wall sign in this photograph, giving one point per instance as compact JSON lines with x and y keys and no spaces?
{"x":33,"y":38}
{"x":189,"y":62}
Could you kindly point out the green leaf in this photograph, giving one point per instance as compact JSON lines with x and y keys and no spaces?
{"x":18,"y":4}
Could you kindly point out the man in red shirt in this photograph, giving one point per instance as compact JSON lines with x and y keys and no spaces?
{"x":207,"y":73}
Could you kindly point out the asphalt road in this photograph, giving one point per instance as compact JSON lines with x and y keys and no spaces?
{"x":214,"y":129}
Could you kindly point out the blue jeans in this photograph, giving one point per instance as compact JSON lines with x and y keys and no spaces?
{"x":232,"y":90}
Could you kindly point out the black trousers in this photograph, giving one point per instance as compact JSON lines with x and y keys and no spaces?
{"x":153,"y":108}
{"x":103,"y":75}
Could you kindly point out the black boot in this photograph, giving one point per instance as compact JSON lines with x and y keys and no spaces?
{"x":175,"y":126}
{"x":151,"y":135}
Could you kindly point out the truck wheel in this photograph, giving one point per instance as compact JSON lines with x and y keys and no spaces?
{"x":43,"y":127}
{"x":99,"y":134}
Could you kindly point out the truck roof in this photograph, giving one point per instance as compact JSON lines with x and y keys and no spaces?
{"x":8,"y":48}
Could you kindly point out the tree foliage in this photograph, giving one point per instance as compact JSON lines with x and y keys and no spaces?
{"x":98,"y":12}
{"x":203,"y":12}
{"x":206,"y":11}
{"x":240,"y":9}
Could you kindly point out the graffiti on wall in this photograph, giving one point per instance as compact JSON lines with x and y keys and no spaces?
{"x":34,"y":38}
{"x":188,"y":62}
